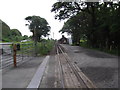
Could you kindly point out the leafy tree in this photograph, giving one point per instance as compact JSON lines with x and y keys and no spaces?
{"x":77,"y":26}
{"x":15,"y":35}
{"x":38,"y":26}
{"x":5,"y":31}
{"x":97,"y":22}
{"x":16,"y":32}
{"x":65,"y":10}
{"x":25,"y":37}
{"x":10,"y":34}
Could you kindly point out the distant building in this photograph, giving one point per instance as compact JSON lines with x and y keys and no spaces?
{"x":63,"y":40}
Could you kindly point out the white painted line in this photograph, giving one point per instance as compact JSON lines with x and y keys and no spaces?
{"x":36,"y":80}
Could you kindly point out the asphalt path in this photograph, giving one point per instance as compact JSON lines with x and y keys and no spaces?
{"x":21,"y":76}
{"x":100,"y":67}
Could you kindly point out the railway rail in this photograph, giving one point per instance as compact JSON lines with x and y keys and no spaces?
{"x":68,"y":75}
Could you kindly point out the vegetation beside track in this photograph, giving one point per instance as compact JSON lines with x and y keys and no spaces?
{"x":96,"y":22}
{"x":112,"y":51}
{"x":43,"y":48}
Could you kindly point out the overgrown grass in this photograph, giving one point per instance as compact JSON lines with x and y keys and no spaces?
{"x":44,"y":48}
{"x":3,"y":42}
{"x":113,"y":51}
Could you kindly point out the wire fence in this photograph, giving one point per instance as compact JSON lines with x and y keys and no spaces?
{"x":13,"y":55}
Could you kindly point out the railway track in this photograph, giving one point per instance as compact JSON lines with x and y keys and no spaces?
{"x":68,"y":75}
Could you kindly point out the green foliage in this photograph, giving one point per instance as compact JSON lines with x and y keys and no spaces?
{"x":44,"y":48}
{"x":113,"y":51}
{"x":15,"y":35}
{"x":96,"y":22}
{"x":77,"y":26}
{"x":6,"y":33}
{"x":25,"y":37}
{"x":15,"y":32}
{"x":11,"y":35}
{"x":38,"y":26}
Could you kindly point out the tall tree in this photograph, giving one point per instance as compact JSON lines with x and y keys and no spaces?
{"x":65,"y":10}
{"x":77,"y":26}
{"x":101,"y":26}
{"x":38,"y":26}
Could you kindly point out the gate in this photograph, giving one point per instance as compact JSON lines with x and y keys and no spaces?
{"x":13,"y":55}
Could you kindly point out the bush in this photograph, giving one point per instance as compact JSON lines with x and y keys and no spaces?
{"x":44,"y":48}
{"x":113,"y":51}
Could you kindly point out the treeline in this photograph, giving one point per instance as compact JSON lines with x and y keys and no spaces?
{"x":10,"y":35}
{"x":96,"y":23}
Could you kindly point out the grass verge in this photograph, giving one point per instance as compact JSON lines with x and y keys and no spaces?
{"x":44,"y":48}
{"x":113,"y":51}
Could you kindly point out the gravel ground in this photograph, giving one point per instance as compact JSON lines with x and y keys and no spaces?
{"x":100,"y":67}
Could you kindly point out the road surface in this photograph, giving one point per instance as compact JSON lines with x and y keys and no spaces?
{"x":99,"y":67}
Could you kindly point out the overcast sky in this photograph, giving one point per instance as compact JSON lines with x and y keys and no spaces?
{"x":13,"y":13}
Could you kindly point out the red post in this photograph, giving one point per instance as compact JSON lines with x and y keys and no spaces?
{"x":14,"y":54}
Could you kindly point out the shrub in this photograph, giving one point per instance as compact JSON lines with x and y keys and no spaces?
{"x":44,"y":48}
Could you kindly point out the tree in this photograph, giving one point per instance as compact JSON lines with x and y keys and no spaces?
{"x":5,"y":31}
{"x":100,"y":24}
{"x":38,"y":26}
{"x":15,"y":35}
{"x":77,"y":26}
{"x":16,"y":32}
{"x":25,"y":37}
{"x":65,"y":10}
{"x":10,"y":34}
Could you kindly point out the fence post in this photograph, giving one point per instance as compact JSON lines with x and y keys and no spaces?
{"x":14,"y":54}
